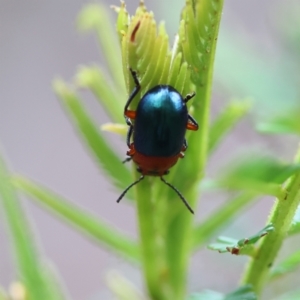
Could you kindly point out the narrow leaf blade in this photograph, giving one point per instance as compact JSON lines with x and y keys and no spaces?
{"x":206,"y":295}
{"x":111,"y":99}
{"x":227,"y":119}
{"x":290,"y":295}
{"x":289,"y":264}
{"x":105,"y":156}
{"x":86,"y":222}
{"x":96,"y":17}
{"x":287,"y":122}
{"x":259,"y":173}
{"x":37,"y":278}
{"x":243,"y":293}
{"x":295,"y":227}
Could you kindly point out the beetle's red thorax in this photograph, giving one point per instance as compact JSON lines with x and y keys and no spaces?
{"x":153,"y":165}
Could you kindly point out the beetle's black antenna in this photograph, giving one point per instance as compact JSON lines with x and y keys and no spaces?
{"x":178,"y":193}
{"x":129,"y":187}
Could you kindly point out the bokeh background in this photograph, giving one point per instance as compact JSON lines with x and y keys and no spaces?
{"x":257,"y":57}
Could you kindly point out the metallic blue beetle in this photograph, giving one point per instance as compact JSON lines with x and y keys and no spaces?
{"x":158,"y":131}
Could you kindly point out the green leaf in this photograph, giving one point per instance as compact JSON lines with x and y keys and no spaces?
{"x":258,"y":173}
{"x":198,"y":32}
{"x":110,"y":98}
{"x":286,"y":122}
{"x":35,"y":275}
{"x":96,"y":17}
{"x":245,"y":292}
{"x":290,"y":295}
{"x":186,"y":174}
{"x":105,"y":156}
{"x":295,"y":227}
{"x":84,"y":221}
{"x":240,"y":247}
{"x":226,"y":244}
{"x":221,"y":217}
{"x":142,"y":42}
{"x":264,"y":169}
{"x":226,"y":120}
{"x":115,"y":128}
{"x":122,"y":288}
{"x":122,"y":20}
{"x":206,"y":295}
{"x":289,"y":264}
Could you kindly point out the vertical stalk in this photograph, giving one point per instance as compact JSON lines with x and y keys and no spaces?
{"x":152,"y":245}
{"x":179,"y":242}
{"x":281,"y":217}
{"x":165,"y":225}
{"x":180,"y":229}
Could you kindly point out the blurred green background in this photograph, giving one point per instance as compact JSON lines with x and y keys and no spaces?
{"x":257,"y":58}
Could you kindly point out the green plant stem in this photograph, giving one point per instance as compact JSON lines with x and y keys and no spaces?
{"x":200,"y":141}
{"x":150,"y":236}
{"x":180,"y":228}
{"x":179,"y":242}
{"x":165,"y":225}
{"x":281,"y":217}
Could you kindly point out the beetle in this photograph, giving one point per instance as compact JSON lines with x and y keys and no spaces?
{"x":158,"y":131}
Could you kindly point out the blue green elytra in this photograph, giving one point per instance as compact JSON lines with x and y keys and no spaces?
{"x":156,"y":134}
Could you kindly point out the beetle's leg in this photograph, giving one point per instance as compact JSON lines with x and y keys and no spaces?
{"x":129,"y":134}
{"x":130,"y":113}
{"x":184,"y":147}
{"x":127,"y":159}
{"x":189,"y":97}
{"x":191,"y":124}
{"x":130,"y":152}
{"x":128,"y":121}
